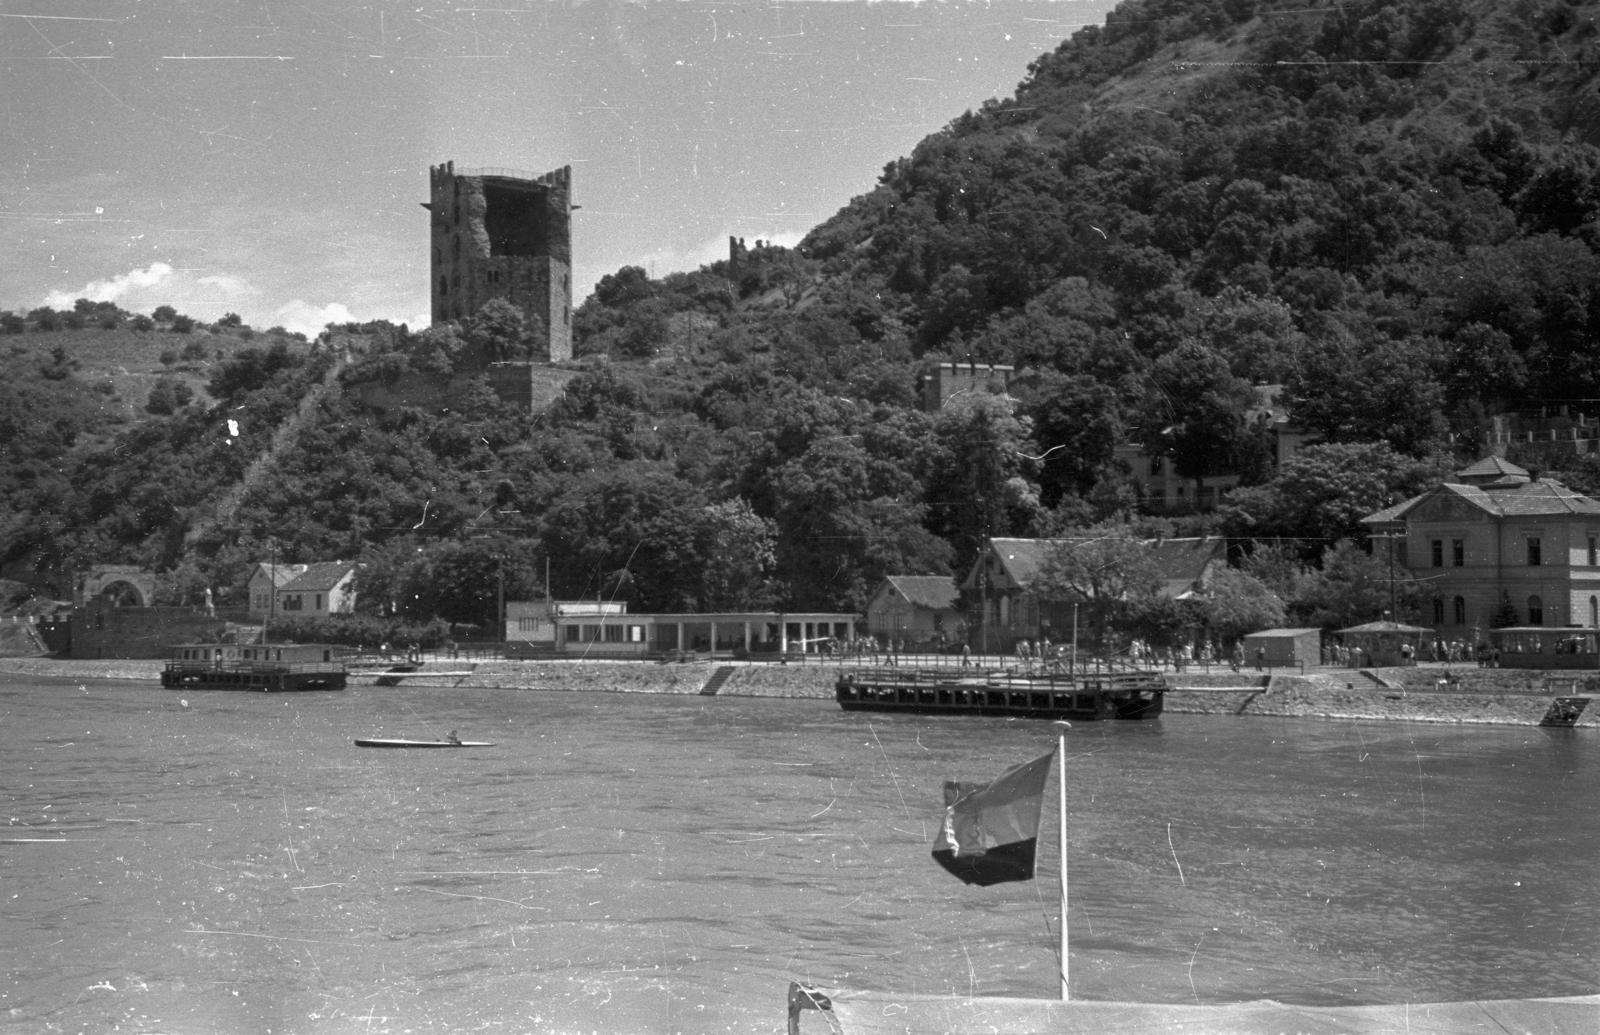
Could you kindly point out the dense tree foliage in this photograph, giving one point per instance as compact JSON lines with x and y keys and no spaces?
{"x":1195,"y":199}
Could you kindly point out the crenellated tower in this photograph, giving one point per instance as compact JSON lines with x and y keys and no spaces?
{"x":502,"y":233}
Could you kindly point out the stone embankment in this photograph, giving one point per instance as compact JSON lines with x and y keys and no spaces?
{"x":1422,"y":694}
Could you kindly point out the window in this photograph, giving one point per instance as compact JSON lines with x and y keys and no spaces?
{"x":574,"y":633}
{"x":1400,"y":556}
{"x":1461,"y":611}
{"x":1438,"y":552}
{"x":444,"y":285}
{"x":1593,"y":543}
{"x":318,"y":606}
{"x":613,"y":633}
{"x":1438,"y":611}
{"x":1535,"y":610}
{"x":1534,"y":554}
{"x":1594,"y":612}
{"x":1155,"y":465}
{"x":1458,"y":552}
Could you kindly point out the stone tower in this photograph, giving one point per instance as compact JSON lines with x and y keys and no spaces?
{"x":499,"y":233}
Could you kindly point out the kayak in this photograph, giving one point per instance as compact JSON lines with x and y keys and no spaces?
{"x":399,"y":742}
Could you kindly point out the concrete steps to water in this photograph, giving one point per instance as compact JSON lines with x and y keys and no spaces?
{"x":720,"y":676}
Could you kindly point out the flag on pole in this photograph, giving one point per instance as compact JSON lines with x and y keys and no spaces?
{"x":991,"y":831}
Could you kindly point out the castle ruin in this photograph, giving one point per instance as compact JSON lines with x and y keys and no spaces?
{"x":501,"y":233}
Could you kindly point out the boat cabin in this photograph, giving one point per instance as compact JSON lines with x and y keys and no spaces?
{"x":220,"y":654}
{"x":251,"y":666}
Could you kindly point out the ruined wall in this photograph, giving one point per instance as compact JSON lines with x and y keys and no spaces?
{"x":100,"y":630}
{"x":496,"y":234}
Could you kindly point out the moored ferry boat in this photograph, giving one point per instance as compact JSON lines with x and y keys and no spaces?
{"x":271,"y":667}
{"x":1051,"y":694}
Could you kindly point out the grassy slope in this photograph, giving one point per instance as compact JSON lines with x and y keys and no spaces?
{"x":130,"y":361}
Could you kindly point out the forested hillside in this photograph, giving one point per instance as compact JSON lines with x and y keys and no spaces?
{"x":1387,"y":206}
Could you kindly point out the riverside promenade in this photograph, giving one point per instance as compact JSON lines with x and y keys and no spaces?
{"x":1422,"y":693}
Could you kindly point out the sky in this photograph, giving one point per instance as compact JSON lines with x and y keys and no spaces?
{"x":269,"y":158}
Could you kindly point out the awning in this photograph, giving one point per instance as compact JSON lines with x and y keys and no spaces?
{"x":882,"y":1013}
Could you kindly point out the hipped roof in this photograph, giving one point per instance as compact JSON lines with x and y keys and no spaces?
{"x":322,"y":576}
{"x":1176,"y":560}
{"x":1384,"y":627}
{"x":279,"y":574}
{"x":934,"y":592}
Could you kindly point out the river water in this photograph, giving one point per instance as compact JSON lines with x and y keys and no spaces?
{"x":207,"y":862}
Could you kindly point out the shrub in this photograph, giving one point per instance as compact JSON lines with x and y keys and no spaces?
{"x":74,"y":320}
{"x":230,"y":320}
{"x":165,"y":313}
{"x":182,"y":324}
{"x":194,"y":352}
{"x":357,"y":630}
{"x":83,"y":306}
{"x":109,"y":321}
{"x":45,"y":319}
{"x":168,"y":395}
{"x":168,"y":357}
{"x":12,"y":323}
{"x":143,"y":323}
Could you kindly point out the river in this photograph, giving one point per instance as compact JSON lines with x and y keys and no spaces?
{"x":205,"y":862}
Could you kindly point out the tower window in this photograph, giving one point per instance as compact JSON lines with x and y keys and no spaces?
{"x":444,"y":285}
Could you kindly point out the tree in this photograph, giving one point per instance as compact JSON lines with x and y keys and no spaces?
{"x":739,"y":551}
{"x":1371,"y":389}
{"x":1236,"y":603}
{"x":1201,"y":409}
{"x":977,"y":483}
{"x":1106,"y":569}
{"x":1354,"y":587}
{"x":1322,"y":493}
{"x":498,"y":332}
{"x":846,"y":519}
{"x":1076,"y":423}
{"x":164,"y":313}
{"x":168,"y":395}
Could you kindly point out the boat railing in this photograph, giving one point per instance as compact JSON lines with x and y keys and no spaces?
{"x":1007,"y":678}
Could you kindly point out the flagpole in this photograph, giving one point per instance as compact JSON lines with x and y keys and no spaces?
{"x":1061,"y":791}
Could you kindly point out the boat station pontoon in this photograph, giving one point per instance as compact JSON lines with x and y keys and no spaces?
{"x":280,"y":666}
{"x":1096,"y":691}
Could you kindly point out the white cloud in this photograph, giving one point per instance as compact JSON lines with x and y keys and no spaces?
{"x":310,"y":319}
{"x":206,"y":296}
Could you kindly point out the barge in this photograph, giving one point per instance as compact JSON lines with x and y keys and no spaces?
{"x":1051,"y":694}
{"x":279,"y":667}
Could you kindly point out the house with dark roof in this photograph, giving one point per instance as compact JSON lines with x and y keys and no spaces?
{"x":1497,"y":540}
{"x":1000,"y":584}
{"x":917,"y":609}
{"x":326,"y":587}
{"x":267,"y":579}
